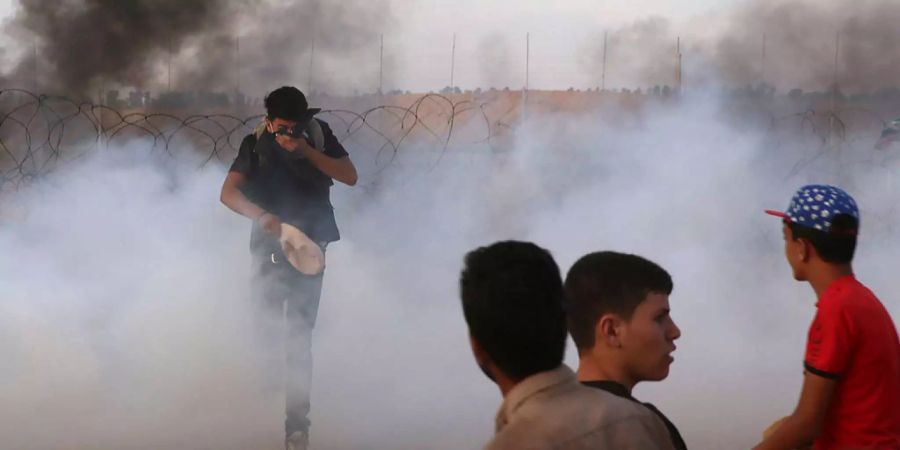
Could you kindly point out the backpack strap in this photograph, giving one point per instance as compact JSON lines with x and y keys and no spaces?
{"x":314,"y":131}
{"x":260,"y":128}
{"x":251,"y":141}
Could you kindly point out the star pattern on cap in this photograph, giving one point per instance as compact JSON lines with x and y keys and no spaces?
{"x":814,"y":206}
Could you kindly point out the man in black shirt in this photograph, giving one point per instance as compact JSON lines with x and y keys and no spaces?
{"x":283,"y":174}
{"x":617,"y":309}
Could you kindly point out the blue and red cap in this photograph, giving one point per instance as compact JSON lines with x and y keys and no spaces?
{"x":816,"y":205}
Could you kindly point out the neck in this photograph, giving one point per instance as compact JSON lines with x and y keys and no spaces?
{"x":505,"y":383}
{"x":597,"y":368}
{"x":826,"y":274}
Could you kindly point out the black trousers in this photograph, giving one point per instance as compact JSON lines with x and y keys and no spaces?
{"x":287,"y":304}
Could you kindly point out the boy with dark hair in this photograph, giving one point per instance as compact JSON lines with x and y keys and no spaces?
{"x":851,"y":386}
{"x":617,"y":307}
{"x":512,"y":302}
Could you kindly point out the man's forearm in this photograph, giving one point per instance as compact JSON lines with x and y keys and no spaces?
{"x":793,"y":433}
{"x":235,"y":200}
{"x":340,"y":169}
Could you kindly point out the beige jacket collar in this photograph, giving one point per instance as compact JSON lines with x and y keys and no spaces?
{"x":529,"y":387}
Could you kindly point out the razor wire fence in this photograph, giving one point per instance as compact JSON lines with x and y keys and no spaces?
{"x":836,"y":140}
{"x":39,"y":133}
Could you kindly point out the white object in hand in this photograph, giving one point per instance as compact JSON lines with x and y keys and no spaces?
{"x":304,"y":254}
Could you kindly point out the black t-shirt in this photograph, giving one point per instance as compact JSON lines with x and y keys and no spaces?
{"x":617,"y":389}
{"x":289,"y":186}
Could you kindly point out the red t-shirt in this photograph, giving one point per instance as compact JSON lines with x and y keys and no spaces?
{"x":853,"y":340}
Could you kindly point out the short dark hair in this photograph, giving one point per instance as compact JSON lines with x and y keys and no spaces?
{"x":608,"y":282}
{"x":836,"y":246}
{"x":512,"y":301}
{"x":286,"y":102}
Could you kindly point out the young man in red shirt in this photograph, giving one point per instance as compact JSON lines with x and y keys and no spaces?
{"x":851,"y":386}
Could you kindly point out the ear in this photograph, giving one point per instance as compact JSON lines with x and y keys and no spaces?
{"x":481,"y":356}
{"x":269,"y":127}
{"x":806,"y":250}
{"x":608,"y":331}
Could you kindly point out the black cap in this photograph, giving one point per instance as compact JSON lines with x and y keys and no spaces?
{"x":289,"y":103}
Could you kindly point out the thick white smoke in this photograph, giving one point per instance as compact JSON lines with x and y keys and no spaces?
{"x":124,"y":307}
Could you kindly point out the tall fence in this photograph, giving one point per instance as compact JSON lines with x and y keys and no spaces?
{"x":39,"y":132}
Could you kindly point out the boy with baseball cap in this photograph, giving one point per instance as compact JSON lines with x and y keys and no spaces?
{"x":851,"y":386}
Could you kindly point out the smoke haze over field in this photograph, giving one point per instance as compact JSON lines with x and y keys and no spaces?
{"x":124,"y":307}
{"x":801,"y":39}
{"x":86,"y":45}
{"x":728,"y":47}
{"x":124,"y":286}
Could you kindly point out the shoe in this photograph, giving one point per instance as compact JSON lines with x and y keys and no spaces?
{"x":298,"y":440}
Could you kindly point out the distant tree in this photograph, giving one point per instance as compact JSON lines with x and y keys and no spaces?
{"x":112,"y":97}
{"x":765,"y":90}
{"x":838,"y":94}
{"x":212,"y":99}
{"x":135,"y":99}
{"x":888,"y":93}
{"x":174,"y":100}
{"x":240,"y":99}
